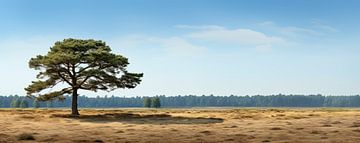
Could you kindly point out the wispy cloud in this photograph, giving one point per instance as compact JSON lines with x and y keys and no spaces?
{"x":234,"y":37}
{"x":289,"y":31}
{"x":205,"y":36}
{"x":322,"y":26}
{"x":316,"y":28}
{"x":178,"y":46}
{"x":202,"y":27}
{"x":174,"y":46}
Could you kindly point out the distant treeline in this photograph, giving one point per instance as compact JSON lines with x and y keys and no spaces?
{"x":198,"y":101}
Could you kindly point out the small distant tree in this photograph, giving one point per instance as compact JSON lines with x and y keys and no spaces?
{"x":15,"y":103}
{"x":156,"y":102}
{"x":147,"y":102}
{"x":36,"y":104}
{"x":49,"y":104}
{"x":24,"y":104}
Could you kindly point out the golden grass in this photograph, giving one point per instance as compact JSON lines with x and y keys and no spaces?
{"x":181,"y":125}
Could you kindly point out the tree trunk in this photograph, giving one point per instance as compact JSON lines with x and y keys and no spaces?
{"x":74,"y":107}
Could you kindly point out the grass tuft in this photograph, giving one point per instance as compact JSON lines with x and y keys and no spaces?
{"x":26,"y":136}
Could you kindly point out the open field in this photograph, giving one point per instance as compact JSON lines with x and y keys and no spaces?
{"x":181,"y":125}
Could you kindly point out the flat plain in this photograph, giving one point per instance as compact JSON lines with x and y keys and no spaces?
{"x":171,"y":125}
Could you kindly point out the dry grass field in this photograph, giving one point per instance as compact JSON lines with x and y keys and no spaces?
{"x":181,"y":125}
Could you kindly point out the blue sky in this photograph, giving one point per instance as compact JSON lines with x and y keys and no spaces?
{"x":219,"y":47}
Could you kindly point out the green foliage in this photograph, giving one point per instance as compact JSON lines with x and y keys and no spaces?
{"x":15,"y":103}
{"x":24,"y":104}
{"x":155,"y":102}
{"x":82,"y":64}
{"x":204,"y":101}
{"x":36,"y":104}
{"x":152,"y":102}
{"x":147,"y":102}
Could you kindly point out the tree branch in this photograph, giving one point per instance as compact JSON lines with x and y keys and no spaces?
{"x":86,"y":78}
{"x":62,"y":77}
{"x":83,"y":69}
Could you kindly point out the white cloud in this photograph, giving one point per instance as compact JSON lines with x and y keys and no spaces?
{"x":183,"y":45}
{"x":179,"y":46}
{"x":320,"y":25}
{"x":174,"y":46}
{"x":236,"y":37}
{"x":240,"y":36}
{"x":263,"y":48}
{"x":203,"y":27}
{"x":318,"y":28}
{"x":289,"y":31}
{"x":297,"y":31}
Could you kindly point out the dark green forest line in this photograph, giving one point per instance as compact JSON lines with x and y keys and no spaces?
{"x":193,"y":101}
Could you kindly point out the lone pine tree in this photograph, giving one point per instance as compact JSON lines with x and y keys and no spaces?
{"x":82,"y":65}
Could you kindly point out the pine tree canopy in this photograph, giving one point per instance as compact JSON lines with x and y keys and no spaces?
{"x":81,"y":64}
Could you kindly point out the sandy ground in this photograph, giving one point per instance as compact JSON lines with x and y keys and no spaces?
{"x":182,"y":125}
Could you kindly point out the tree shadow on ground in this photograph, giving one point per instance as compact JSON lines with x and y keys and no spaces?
{"x":159,"y":119}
